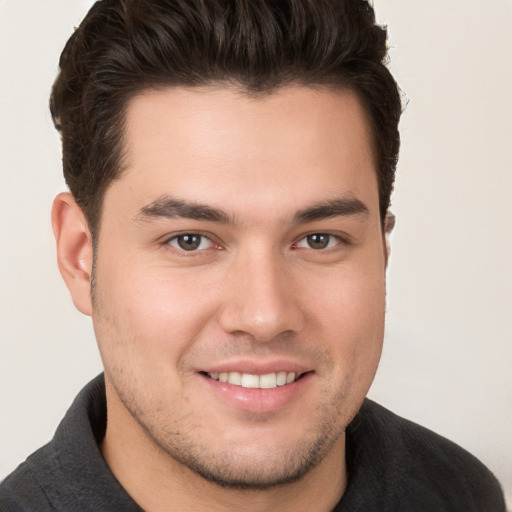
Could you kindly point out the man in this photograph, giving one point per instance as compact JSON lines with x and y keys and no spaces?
{"x":230,"y":165}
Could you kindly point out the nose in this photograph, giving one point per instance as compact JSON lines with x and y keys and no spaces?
{"x":262,"y":301}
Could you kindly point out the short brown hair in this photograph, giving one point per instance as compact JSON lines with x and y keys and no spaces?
{"x":124,"y":47}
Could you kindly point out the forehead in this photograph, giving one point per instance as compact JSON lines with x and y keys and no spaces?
{"x":211,"y":144}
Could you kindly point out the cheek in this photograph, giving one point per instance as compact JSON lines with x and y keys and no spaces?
{"x":149,"y":310}
{"x":350,"y":314}
{"x":352,"y":298}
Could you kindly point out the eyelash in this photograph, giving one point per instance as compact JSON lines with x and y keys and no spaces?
{"x":184,"y":252}
{"x":337,"y":239}
{"x":332,"y":238}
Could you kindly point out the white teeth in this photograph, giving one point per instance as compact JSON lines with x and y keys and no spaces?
{"x":281,"y":378}
{"x":247,"y":380}
{"x":250,"y":381}
{"x":268,"y":381}
{"x":235,"y":378}
{"x":290,"y":377}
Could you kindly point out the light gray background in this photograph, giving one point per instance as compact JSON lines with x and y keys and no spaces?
{"x":447,"y":360}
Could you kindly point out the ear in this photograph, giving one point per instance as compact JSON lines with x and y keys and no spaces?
{"x":74,"y":249}
{"x":389,"y":224}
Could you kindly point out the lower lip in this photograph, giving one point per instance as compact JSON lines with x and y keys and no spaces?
{"x":259,"y":400}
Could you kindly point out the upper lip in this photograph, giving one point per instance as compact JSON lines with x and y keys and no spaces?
{"x":258,"y":367}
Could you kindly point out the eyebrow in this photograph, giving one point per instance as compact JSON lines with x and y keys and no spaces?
{"x":333,"y":208}
{"x":168,"y":207}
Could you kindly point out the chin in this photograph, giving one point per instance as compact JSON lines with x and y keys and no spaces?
{"x":242,"y":461}
{"x":256,"y":470}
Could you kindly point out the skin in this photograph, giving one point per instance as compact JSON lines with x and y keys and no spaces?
{"x":255,"y":293}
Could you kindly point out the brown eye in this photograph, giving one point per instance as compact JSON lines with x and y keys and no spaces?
{"x":318,"y":240}
{"x":190,"y":242}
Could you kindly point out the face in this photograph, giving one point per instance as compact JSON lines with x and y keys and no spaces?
{"x":240,"y":279}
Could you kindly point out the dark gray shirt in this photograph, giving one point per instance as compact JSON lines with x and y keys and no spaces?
{"x":393,"y":466}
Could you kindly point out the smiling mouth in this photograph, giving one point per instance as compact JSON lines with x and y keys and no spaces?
{"x":247,"y":380}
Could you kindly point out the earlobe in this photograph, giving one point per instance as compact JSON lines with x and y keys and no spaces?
{"x":389,"y":224}
{"x":74,"y":249}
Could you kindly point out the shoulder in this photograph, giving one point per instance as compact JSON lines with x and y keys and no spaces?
{"x":420,"y":466}
{"x":42,"y":483}
{"x":427,"y":452}
{"x":21,"y":491}
{"x":69,"y":474}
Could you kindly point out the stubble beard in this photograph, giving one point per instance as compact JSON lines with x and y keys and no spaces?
{"x":256,"y":471}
